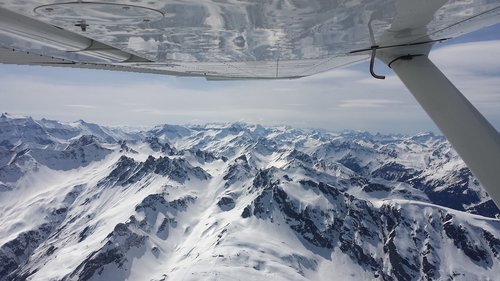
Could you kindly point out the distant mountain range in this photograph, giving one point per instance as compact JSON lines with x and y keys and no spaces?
{"x":79,"y":201}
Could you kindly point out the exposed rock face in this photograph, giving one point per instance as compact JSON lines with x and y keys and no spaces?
{"x":128,"y":171}
{"x":230,"y":202}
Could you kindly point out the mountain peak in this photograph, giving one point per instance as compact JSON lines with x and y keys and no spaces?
{"x":84,"y":140}
{"x":196,"y":202}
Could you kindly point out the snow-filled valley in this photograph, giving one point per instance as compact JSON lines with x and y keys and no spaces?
{"x":79,"y":201}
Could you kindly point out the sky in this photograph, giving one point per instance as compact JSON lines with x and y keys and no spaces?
{"x":345,"y":98}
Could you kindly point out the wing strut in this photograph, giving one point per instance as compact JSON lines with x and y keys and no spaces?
{"x":472,"y":136}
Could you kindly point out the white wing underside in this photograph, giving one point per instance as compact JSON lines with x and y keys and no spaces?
{"x":226,"y":39}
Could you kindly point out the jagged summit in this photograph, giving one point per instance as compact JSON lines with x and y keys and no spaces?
{"x":238,"y":202}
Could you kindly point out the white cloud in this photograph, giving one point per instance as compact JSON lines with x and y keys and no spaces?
{"x":82,"y":106}
{"x":340,"y":73}
{"x":468,"y":58}
{"x":367,"y":103}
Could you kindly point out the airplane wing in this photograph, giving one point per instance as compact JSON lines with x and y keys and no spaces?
{"x":231,"y":39}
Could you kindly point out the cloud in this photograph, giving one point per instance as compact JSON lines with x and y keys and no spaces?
{"x":339,"y":73}
{"x":367,"y":103}
{"x":82,"y":106}
{"x":468,"y":58}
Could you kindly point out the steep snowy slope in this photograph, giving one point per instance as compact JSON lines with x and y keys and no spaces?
{"x":238,"y":202}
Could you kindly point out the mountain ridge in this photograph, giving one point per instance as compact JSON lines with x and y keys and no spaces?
{"x":238,"y":201}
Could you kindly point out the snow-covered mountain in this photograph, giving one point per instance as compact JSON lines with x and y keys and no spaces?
{"x":79,"y":201}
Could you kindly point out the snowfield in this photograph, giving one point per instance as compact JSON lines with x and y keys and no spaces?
{"x":79,"y":201}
